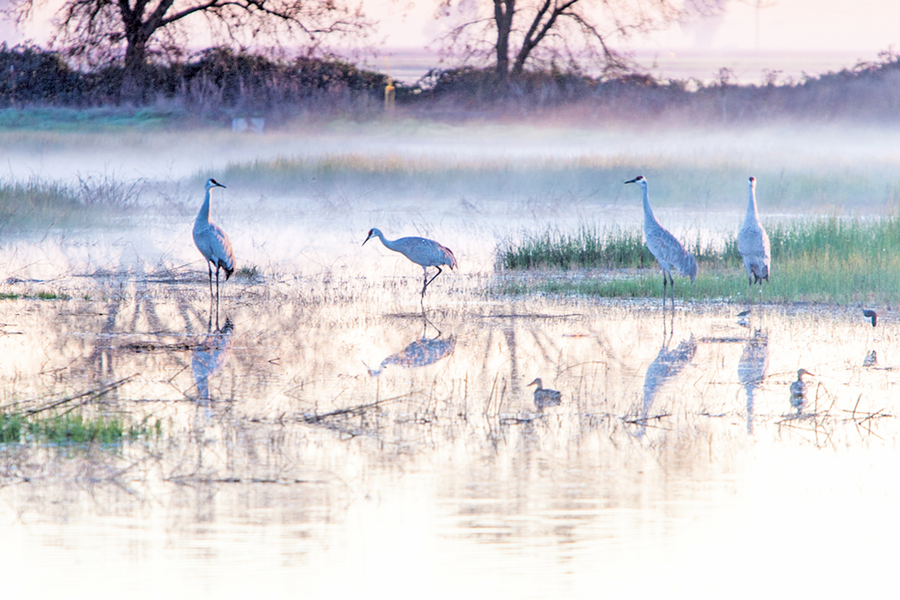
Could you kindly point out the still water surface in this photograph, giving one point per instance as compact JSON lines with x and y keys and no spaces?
{"x":328,"y":441}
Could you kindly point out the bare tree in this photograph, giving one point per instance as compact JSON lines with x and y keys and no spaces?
{"x":98,"y":31}
{"x":543,"y":32}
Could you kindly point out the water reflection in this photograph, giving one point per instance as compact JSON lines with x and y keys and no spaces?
{"x":752,"y":369}
{"x":424,"y":351}
{"x":316,"y":447}
{"x":871,"y":359}
{"x":798,"y":391}
{"x":665,"y":367}
{"x":210,"y":356}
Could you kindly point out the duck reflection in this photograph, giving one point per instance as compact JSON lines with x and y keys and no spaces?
{"x":798,"y":391}
{"x":422,"y":352}
{"x":752,"y":369}
{"x":210,"y":356}
{"x":871,"y":359}
{"x":666,"y":366}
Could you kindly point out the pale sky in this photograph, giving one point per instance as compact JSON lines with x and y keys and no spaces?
{"x":799,"y":25}
{"x":796,"y":36}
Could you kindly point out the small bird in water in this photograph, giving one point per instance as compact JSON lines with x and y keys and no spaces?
{"x":424,"y":252}
{"x":213,"y":242}
{"x":798,"y":390}
{"x":871,"y":315}
{"x":543,"y":397}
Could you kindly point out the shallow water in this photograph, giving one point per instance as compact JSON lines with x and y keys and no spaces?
{"x":320,"y":437}
{"x":332,"y":442}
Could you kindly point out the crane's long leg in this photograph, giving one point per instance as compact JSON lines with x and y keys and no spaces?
{"x":433,"y":278}
{"x":672,"y":291}
{"x":217,"y":290}
{"x":209,"y":268}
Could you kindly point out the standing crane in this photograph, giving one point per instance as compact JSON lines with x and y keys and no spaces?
{"x":424,"y":252}
{"x":753,"y":243}
{"x":212,"y":242}
{"x":667,"y":250}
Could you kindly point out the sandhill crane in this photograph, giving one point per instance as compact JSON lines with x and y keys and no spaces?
{"x":667,"y":250}
{"x":545,"y":397}
{"x":798,"y":390}
{"x":753,"y":243}
{"x":422,"y":251}
{"x":212,"y":242}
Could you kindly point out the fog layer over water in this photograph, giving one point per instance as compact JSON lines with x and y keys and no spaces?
{"x":320,"y":436}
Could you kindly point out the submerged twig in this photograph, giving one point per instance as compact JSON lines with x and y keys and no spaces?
{"x":351,"y":410}
{"x":96,"y":393}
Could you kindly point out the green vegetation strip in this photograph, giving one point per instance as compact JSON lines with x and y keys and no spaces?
{"x":817,"y":260}
{"x":37,"y":296}
{"x":71,"y":428}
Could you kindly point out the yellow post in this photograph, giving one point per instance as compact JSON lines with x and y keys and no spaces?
{"x":390,"y":93}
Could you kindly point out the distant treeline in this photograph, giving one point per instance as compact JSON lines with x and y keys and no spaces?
{"x":220,"y":82}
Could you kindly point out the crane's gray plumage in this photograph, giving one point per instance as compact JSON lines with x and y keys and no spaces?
{"x":424,"y":252}
{"x":212,"y":242}
{"x":667,"y":250}
{"x":753,"y":243}
{"x":545,"y":397}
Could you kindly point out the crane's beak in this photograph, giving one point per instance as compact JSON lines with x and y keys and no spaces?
{"x":220,"y":185}
{"x":632,"y":180}
{"x":532,"y":383}
{"x":367,"y":239}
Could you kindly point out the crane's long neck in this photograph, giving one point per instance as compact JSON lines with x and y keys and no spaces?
{"x":752,"y":213}
{"x":389,"y":244}
{"x":650,"y":221}
{"x":203,"y":215}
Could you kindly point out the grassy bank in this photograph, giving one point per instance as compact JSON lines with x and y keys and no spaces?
{"x":817,"y":260}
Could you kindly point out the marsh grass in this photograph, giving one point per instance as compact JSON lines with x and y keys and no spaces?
{"x":688,"y":181}
{"x":819,"y":260}
{"x":39,"y":202}
{"x":44,"y":295}
{"x":72,"y":428}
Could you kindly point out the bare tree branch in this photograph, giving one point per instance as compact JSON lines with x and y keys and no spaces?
{"x":539,"y":32}
{"x":102,"y":31}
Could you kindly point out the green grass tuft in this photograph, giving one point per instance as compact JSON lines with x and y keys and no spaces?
{"x":72,"y":428}
{"x":819,"y":260}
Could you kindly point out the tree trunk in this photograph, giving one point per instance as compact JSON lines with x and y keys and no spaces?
{"x":503,"y":17}
{"x":133,"y":79}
